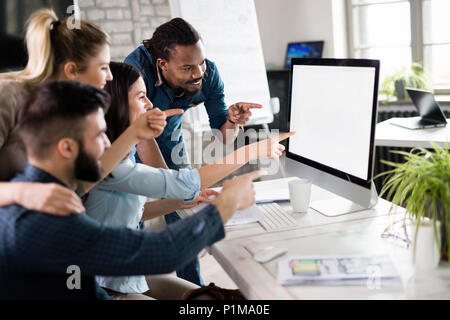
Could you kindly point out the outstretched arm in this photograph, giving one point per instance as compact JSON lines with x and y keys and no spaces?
{"x":162,"y":207}
{"x":148,"y":126}
{"x":150,"y":154}
{"x":44,"y":197}
{"x":238,"y":115}
{"x":215,"y":172}
{"x":102,"y":250}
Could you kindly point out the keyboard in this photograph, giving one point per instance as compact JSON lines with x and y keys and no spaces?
{"x":275,"y":217}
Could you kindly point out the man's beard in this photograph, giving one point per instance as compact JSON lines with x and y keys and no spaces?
{"x":192,"y":94}
{"x":86,"y":167}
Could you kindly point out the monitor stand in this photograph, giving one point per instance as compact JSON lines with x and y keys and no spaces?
{"x":340,"y":206}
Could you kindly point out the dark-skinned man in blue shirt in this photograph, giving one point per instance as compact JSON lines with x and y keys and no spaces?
{"x":177,"y":74}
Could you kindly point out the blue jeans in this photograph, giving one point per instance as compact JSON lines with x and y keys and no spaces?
{"x":191,"y":271}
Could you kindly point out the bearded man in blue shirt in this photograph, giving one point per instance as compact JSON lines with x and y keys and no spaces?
{"x":177,"y":75}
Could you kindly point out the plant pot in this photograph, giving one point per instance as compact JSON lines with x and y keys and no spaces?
{"x":426,"y":251}
{"x":443,"y":231}
{"x":444,"y":245}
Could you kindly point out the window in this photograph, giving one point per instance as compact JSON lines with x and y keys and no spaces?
{"x":436,"y":41}
{"x":399,"y":32}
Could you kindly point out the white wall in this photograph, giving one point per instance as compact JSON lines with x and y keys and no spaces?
{"x":284,"y":21}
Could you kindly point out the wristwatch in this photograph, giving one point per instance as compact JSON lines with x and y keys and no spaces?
{"x":229,"y":120}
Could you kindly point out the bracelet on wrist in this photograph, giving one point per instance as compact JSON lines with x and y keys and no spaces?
{"x":229,"y":120}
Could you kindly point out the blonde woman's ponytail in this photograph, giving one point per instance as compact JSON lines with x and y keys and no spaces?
{"x":39,"y":44}
{"x":51,"y":43}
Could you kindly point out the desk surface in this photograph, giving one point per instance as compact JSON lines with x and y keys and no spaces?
{"x":395,"y":136}
{"x":357,"y":233}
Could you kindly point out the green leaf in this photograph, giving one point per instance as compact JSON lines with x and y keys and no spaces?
{"x":421,"y":184}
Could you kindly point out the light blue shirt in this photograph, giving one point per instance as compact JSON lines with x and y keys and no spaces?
{"x":119,"y":201}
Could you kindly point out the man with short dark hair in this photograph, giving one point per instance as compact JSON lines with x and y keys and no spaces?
{"x":178,"y":75}
{"x":49,"y":257}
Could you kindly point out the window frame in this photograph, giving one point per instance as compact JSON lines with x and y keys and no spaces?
{"x":417,"y":41}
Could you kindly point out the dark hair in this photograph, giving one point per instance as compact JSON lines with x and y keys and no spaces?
{"x":118,"y":117}
{"x":55,"y":110}
{"x":175,"y":32}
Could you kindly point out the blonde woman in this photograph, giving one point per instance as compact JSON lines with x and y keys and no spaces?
{"x":57,"y":52}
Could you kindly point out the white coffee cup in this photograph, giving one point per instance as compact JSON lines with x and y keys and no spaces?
{"x":300,"y":194}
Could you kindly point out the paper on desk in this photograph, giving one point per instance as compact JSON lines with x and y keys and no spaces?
{"x":263,"y":195}
{"x":249,"y":215}
{"x":338,"y":270}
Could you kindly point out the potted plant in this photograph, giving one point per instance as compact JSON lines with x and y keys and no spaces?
{"x":394,"y":85}
{"x":422,"y":185}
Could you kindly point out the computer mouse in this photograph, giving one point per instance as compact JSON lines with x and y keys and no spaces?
{"x":269,"y":253}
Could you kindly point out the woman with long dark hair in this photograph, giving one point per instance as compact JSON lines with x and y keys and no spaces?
{"x":120,"y":200}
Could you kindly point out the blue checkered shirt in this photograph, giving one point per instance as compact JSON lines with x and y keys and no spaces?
{"x":37,"y":249}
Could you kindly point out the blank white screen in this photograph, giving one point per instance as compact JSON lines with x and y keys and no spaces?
{"x":331,"y":111}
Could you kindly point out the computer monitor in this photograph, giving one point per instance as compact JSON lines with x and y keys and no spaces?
{"x":333,"y":109}
{"x":310,"y":49}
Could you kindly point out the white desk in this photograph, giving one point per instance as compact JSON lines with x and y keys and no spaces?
{"x":351,"y":234}
{"x":389,"y":135}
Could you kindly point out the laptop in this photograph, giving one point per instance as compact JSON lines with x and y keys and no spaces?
{"x":431,"y":114}
{"x":307,"y":49}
